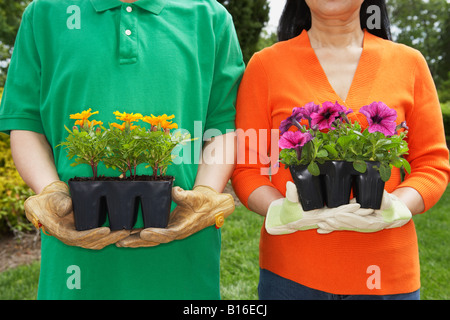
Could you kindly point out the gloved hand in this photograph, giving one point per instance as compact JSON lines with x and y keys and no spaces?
{"x":196,"y":209}
{"x":51,"y":210}
{"x":393,"y":213}
{"x":286,"y":215}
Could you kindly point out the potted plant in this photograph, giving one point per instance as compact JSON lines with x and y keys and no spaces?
{"x":122,"y":147}
{"x":329,"y":144}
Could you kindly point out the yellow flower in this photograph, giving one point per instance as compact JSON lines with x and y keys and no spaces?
{"x":166,"y":117}
{"x":123,"y":126}
{"x":128,"y":117}
{"x":84,"y":115}
{"x":168,"y":125}
{"x":80,"y":123}
{"x":94,"y":123}
{"x":88,"y":123}
{"x":119,"y":126}
{"x":154,"y":121}
{"x":161,"y":121}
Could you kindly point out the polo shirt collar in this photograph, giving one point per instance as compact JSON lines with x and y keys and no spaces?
{"x":154,"y":6}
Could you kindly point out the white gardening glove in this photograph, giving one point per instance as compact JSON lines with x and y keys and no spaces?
{"x":393,"y":213}
{"x":286,"y":215}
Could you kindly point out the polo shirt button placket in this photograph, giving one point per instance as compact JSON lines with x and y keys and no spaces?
{"x":128,"y":51}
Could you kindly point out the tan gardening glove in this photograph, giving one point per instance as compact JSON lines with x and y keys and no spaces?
{"x":196,"y":209}
{"x":51,"y":210}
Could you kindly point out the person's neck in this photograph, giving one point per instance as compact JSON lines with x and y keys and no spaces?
{"x":336,"y":33}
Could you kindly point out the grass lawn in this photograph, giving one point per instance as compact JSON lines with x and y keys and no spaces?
{"x":239,"y":264}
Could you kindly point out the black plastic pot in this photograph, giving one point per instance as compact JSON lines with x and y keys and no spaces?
{"x":337,"y":180}
{"x":368,"y":188}
{"x":89,"y":204}
{"x":156,"y":204}
{"x":309,"y":187}
{"x":334,"y":185}
{"x":93,"y":200}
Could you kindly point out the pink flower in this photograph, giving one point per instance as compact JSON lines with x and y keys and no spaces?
{"x":298,"y":113}
{"x":293,"y":120}
{"x":294,"y":139}
{"x":308,"y":109}
{"x":381,"y":118}
{"x":327,"y":115}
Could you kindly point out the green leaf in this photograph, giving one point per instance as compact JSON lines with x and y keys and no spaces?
{"x":322,"y":153}
{"x":344,"y":141}
{"x":360,"y":166}
{"x":313,"y":168}
{"x":385,"y":172}
{"x":331,"y":150}
{"x":406,"y":165}
{"x":397,"y":162}
{"x":382,"y":142}
{"x":67,"y":129}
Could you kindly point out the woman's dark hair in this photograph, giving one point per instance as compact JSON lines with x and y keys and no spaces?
{"x":296,"y":17}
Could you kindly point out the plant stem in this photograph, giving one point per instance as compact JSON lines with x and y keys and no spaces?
{"x":130,"y":168}
{"x":94,"y":170}
{"x":155,"y":170}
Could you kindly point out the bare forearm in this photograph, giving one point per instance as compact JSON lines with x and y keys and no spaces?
{"x":260,"y":199}
{"x":411,"y":198}
{"x":33,"y":158}
{"x":218,"y":162}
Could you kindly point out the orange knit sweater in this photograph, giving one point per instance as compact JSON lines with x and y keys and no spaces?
{"x":288,"y":75}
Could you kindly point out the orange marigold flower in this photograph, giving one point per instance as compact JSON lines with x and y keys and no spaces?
{"x":128,"y":117}
{"x":166,"y":117}
{"x":86,"y":124}
{"x":119,"y":126}
{"x":154,"y":121}
{"x":94,"y":123}
{"x":123,"y":126}
{"x":161,"y":121}
{"x":80,"y":123}
{"x":168,"y":125}
{"x":84,"y":115}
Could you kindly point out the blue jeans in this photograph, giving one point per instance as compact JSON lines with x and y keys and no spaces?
{"x":274,"y":287}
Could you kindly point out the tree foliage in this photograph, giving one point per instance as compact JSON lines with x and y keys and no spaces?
{"x":424,"y":25}
{"x":249,"y":17}
{"x":10,"y":17}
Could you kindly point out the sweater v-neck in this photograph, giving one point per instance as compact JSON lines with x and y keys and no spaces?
{"x":363,"y":79}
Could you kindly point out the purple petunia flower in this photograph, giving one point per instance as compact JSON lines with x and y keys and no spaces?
{"x":381,"y":118}
{"x":327,"y":114}
{"x":309,"y":109}
{"x":293,"y":120}
{"x":294,"y":139}
{"x":298,"y":113}
{"x":402,"y":125}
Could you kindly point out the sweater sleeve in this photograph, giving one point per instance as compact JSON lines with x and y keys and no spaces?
{"x":428,"y":152}
{"x":253,"y":128}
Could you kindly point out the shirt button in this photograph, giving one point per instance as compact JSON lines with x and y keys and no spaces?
{"x":129,"y":9}
{"x":128,"y":32}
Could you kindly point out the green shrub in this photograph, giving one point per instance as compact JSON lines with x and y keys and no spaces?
{"x":445,"y":107}
{"x":13,"y":193}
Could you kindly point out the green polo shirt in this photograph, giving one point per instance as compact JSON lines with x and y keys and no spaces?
{"x":155,"y":57}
